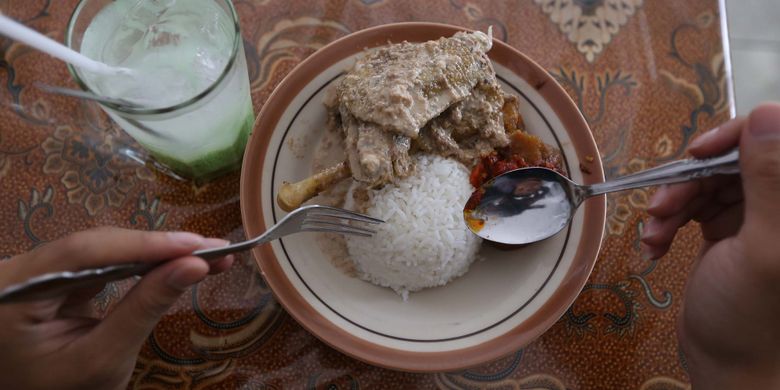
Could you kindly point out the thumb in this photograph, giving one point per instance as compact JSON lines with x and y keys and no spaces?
{"x":131,"y":322}
{"x":760,"y":166}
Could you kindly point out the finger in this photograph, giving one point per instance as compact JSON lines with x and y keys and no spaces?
{"x":85,"y":294}
{"x":671,"y":199}
{"x":722,"y":199}
{"x":760,"y":168}
{"x":64,"y":329}
{"x":84,"y":309}
{"x":221,"y":265}
{"x":708,"y":212}
{"x":653,"y":252}
{"x":725,"y":224}
{"x":661,"y":231}
{"x":717,"y":140}
{"x":82,"y":303}
{"x":79,"y":303}
{"x":731,"y":192}
{"x":125,"y":329}
{"x":218,"y":265}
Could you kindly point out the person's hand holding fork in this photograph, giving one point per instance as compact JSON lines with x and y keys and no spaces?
{"x":58,"y":343}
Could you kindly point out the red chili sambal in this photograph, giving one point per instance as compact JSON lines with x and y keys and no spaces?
{"x":524,"y":150}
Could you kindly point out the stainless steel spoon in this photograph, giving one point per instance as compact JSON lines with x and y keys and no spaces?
{"x":531,"y":204}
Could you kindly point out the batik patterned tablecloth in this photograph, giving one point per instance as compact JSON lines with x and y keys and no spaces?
{"x":647,"y":74}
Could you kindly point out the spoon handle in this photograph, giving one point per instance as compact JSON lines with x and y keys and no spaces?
{"x":674,"y":172}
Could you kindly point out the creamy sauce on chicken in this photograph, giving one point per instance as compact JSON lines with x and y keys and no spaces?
{"x":401,"y":87}
{"x":438,"y":96}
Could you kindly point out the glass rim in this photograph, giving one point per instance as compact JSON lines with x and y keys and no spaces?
{"x":237,"y":40}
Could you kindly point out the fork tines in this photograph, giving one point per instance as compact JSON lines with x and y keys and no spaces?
{"x":328,"y":211}
{"x":331,"y":219}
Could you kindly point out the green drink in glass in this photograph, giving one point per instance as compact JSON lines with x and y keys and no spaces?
{"x":187,"y":79}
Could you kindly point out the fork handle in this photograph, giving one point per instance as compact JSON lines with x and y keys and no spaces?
{"x":122,"y":271}
{"x":56,"y":284}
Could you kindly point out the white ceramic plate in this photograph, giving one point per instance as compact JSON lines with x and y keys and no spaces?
{"x":500,"y":305}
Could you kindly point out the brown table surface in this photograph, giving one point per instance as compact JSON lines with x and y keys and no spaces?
{"x":648,"y":75}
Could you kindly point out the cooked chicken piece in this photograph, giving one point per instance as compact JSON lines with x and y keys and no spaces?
{"x":439,"y":97}
{"x":401,"y":87}
{"x":293,"y":195}
{"x":375,"y":156}
{"x":402,"y":161}
{"x":368,"y":150}
{"x":470,"y":128}
{"x":393,"y":91}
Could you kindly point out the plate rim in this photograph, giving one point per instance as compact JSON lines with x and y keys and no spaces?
{"x":307,"y":316}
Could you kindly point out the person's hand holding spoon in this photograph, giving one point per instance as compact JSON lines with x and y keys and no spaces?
{"x":531,"y":204}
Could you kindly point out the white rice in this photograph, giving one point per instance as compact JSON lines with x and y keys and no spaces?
{"x":424,"y":242}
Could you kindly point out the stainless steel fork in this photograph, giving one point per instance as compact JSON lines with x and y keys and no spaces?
{"x":305,"y":219}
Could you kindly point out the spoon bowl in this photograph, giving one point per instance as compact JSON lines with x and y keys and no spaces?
{"x":522,"y":206}
{"x":531,"y":204}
